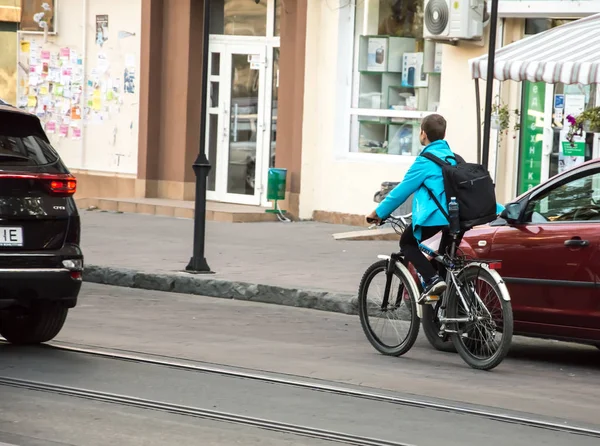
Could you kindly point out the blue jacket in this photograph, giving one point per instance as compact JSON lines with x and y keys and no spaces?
{"x":423,"y":172}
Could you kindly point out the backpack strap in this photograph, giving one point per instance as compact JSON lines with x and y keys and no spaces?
{"x":437,"y":203}
{"x":440,"y":163}
{"x":431,"y":157}
{"x":435,"y":159}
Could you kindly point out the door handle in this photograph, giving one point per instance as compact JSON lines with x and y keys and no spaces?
{"x":577,"y":242}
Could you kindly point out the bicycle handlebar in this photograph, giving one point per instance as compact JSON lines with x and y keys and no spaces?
{"x":402,"y":219}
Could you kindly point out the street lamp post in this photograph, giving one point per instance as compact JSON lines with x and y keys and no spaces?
{"x":489,"y":85}
{"x":201,"y":166}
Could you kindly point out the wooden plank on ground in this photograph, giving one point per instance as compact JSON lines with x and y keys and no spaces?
{"x":368,"y":234}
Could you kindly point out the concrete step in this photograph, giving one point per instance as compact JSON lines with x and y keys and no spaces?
{"x":215,"y":211}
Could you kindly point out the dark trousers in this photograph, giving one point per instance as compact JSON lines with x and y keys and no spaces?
{"x":410,"y":248}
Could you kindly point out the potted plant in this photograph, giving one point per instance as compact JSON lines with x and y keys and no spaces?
{"x":588,"y":121}
{"x":501,"y":116}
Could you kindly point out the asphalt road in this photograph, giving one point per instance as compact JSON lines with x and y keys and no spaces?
{"x":29,"y":418}
{"x":250,"y":398}
{"x":542,"y":378}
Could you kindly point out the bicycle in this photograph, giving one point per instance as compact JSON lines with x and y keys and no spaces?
{"x":463,"y":315}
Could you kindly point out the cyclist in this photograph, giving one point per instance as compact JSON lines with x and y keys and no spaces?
{"x":427,"y":219}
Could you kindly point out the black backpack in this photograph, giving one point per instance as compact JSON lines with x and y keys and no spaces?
{"x":473,"y":188}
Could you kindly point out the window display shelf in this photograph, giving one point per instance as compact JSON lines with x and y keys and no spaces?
{"x":393,"y":87}
{"x":403,"y":138}
{"x":374,"y":120}
{"x":400,"y":138}
{"x":383,"y":53}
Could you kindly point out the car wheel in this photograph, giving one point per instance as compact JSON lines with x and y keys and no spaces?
{"x":35,"y":325}
{"x":431,"y":327}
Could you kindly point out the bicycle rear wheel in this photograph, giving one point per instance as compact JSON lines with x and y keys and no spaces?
{"x":485,"y":342}
{"x":391,"y":328}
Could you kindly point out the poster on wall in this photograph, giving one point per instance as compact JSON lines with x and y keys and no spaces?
{"x":570,"y":155}
{"x":559,"y":107}
{"x":532,"y":135}
{"x":574,"y":104}
{"x":101,"y":29}
{"x":36,"y":14}
{"x":129,"y":80}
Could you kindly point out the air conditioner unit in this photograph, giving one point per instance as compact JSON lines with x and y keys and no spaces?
{"x":453,"y":20}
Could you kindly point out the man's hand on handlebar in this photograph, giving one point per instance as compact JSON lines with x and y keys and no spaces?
{"x":373,"y":218}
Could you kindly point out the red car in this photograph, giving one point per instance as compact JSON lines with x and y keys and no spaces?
{"x":548,"y":240}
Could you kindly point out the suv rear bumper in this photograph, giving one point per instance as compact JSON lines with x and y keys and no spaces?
{"x":33,"y":276}
{"x":23,"y":285}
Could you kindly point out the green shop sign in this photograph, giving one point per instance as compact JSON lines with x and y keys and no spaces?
{"x":577,"y":149}
{"x":532,"y":135}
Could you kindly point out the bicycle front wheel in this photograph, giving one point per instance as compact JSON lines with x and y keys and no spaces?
{"x":484,"y":342}
{"x":392,"y":327}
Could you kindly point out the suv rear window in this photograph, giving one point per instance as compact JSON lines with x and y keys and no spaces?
{"x":26,"y":151}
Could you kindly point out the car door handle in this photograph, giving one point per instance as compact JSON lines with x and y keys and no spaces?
{"x":577,"y":242}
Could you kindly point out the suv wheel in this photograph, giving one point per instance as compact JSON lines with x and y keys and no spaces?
{"x":35,"y":325}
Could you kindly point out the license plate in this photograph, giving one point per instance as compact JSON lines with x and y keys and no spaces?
{"x":11,"y":236}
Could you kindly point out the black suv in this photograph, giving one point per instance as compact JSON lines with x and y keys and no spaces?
{"x":41,"y":262}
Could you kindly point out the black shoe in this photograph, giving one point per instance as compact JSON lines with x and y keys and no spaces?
{"x":434,"y":287}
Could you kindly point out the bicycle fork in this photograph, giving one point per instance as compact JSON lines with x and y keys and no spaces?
{"x":389,"y":274}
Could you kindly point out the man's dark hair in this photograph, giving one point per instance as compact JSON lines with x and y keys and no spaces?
{"x":434,"y":127}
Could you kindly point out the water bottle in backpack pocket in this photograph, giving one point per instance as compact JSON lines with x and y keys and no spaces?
{"x":454,"y":214}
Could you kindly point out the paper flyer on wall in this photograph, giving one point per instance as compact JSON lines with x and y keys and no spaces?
{"x":101,"y":29}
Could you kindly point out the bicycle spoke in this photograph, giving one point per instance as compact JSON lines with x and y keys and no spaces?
{"x":390,"y":325}
{"x":481,"y":334}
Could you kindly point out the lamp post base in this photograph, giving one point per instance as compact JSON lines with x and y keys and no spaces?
{"x":198,"y":266}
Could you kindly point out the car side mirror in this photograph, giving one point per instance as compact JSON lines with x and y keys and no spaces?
{"x":512,"y":213}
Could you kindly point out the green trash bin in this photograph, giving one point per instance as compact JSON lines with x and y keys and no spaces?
{"x":276,"y":190}
{"x":276,"y":184}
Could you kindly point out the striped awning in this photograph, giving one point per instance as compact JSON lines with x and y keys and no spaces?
{"x":569,"y":54}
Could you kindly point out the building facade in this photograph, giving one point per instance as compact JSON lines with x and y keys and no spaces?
{"x":254,"y":106}
{"x":117,"y":86}
{"x":359,"y":126}
{"x":333,"y":91}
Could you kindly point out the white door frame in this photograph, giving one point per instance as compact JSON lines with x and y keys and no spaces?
{"x":226,"y":51}
{"x":548,"y":141}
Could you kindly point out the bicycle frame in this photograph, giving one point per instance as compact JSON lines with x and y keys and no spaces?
{"x":461,"y":301}
{"x":398,"y":261}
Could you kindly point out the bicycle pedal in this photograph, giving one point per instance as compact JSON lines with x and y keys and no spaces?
{"x":428,"y":300}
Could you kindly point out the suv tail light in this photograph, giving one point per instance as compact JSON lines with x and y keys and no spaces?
{"x":63,"y":185}
{"x":66,"y":186}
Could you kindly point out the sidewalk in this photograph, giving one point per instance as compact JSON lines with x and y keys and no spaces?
{"x":297,"y":264}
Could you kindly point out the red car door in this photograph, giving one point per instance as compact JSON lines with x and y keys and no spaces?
{"x":551,"y":260}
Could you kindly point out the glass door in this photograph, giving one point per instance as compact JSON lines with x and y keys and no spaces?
{"x":561,"y":101}
{"x":238,"y":146}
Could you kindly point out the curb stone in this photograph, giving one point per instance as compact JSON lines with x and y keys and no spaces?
{"x":192,"y":284}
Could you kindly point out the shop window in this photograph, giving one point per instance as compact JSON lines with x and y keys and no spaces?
{"x":392,"y":88}
{"x":278,"y":4}
{"x":238,"y":17}
{"x":536,"y":26}
{"x":536,"y":164}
